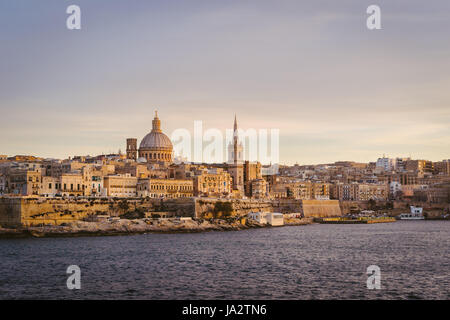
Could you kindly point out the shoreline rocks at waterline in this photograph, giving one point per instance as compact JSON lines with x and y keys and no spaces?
{"x":137,"y":226}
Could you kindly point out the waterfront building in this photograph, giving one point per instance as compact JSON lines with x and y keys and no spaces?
{"x":165,"y":188}
{"x":49,"y":187}
{"x":278,"y":192}
{"x":271,"y":218}
{"x":24,"y":182}
{"x":395,"y":188}
{"x":72,"y":185}
{"x":344,"y":191}
{"x":212,"y":182}
{"x":259,"y":189}
{"x":360,"y":192}
{"x":252,"y":171}
{"x":98,"y":186}
{"x":120,"y":185}
{"x":259,"y":217}
{"x":372,"y":192}
{"x":320,"y":191}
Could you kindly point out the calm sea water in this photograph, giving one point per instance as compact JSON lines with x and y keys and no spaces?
{"x":305,"y":262}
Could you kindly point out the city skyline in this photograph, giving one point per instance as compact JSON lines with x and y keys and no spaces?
{"x":336,"y":90}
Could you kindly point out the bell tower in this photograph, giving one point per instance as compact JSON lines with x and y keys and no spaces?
{"x":235,"y":160}
{"x":132,"y":149}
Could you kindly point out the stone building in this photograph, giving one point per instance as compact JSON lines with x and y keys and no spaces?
{"x":320,"y":191}
{"x":212,"y":182}
{"x":50,"y":186}
{"x":24,"y":182}
{"x":300,"y":190}
{"x":72,"y":185}
{"x":252,"y":171}
{"x":120,"y":185}
{"x":165,"y":188}
{"x":259,"y":189}
{"x":360,"y":192}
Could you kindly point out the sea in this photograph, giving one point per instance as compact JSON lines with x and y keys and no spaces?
{"x":411,"y":260}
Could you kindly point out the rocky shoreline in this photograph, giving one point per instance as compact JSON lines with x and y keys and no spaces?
{"x":136,"y":226}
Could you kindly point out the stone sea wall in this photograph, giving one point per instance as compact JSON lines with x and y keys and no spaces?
{"x":28,"y":211}
{"x":321,"y":208}
{"x":34,"y":211}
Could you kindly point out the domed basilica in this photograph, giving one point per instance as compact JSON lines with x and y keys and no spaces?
{"x":155,"y":147}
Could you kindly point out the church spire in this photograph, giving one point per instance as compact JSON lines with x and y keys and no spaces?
{"x":235,"y":123}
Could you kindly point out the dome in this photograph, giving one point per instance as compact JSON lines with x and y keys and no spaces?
{"x":156,"y":139}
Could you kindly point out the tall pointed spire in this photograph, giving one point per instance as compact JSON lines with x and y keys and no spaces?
{"x":235,"y":123}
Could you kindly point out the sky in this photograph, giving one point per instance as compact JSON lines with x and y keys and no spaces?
{"x":312,"y":69}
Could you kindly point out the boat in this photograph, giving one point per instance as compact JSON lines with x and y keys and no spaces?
{"x":359,"y":220}
{"x":415,"y":214}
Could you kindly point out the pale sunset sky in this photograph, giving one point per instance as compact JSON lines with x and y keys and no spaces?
{"x":336,"y":90}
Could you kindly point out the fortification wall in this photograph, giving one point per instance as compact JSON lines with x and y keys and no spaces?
{"x":10,"y":211}
{"x":321,"y":208}
{"x":204,"y":207}
{"x":29,"y":211}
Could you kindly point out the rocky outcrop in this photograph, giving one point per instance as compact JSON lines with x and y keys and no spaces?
{"x":137,"y":226}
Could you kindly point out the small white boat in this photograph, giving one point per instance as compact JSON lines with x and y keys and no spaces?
{"x":415,"y":214}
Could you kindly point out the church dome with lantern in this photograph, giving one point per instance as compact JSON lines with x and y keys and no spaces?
{"x":156,"y":146}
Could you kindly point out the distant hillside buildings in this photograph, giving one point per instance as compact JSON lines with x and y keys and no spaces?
{"x":151,"y":170}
